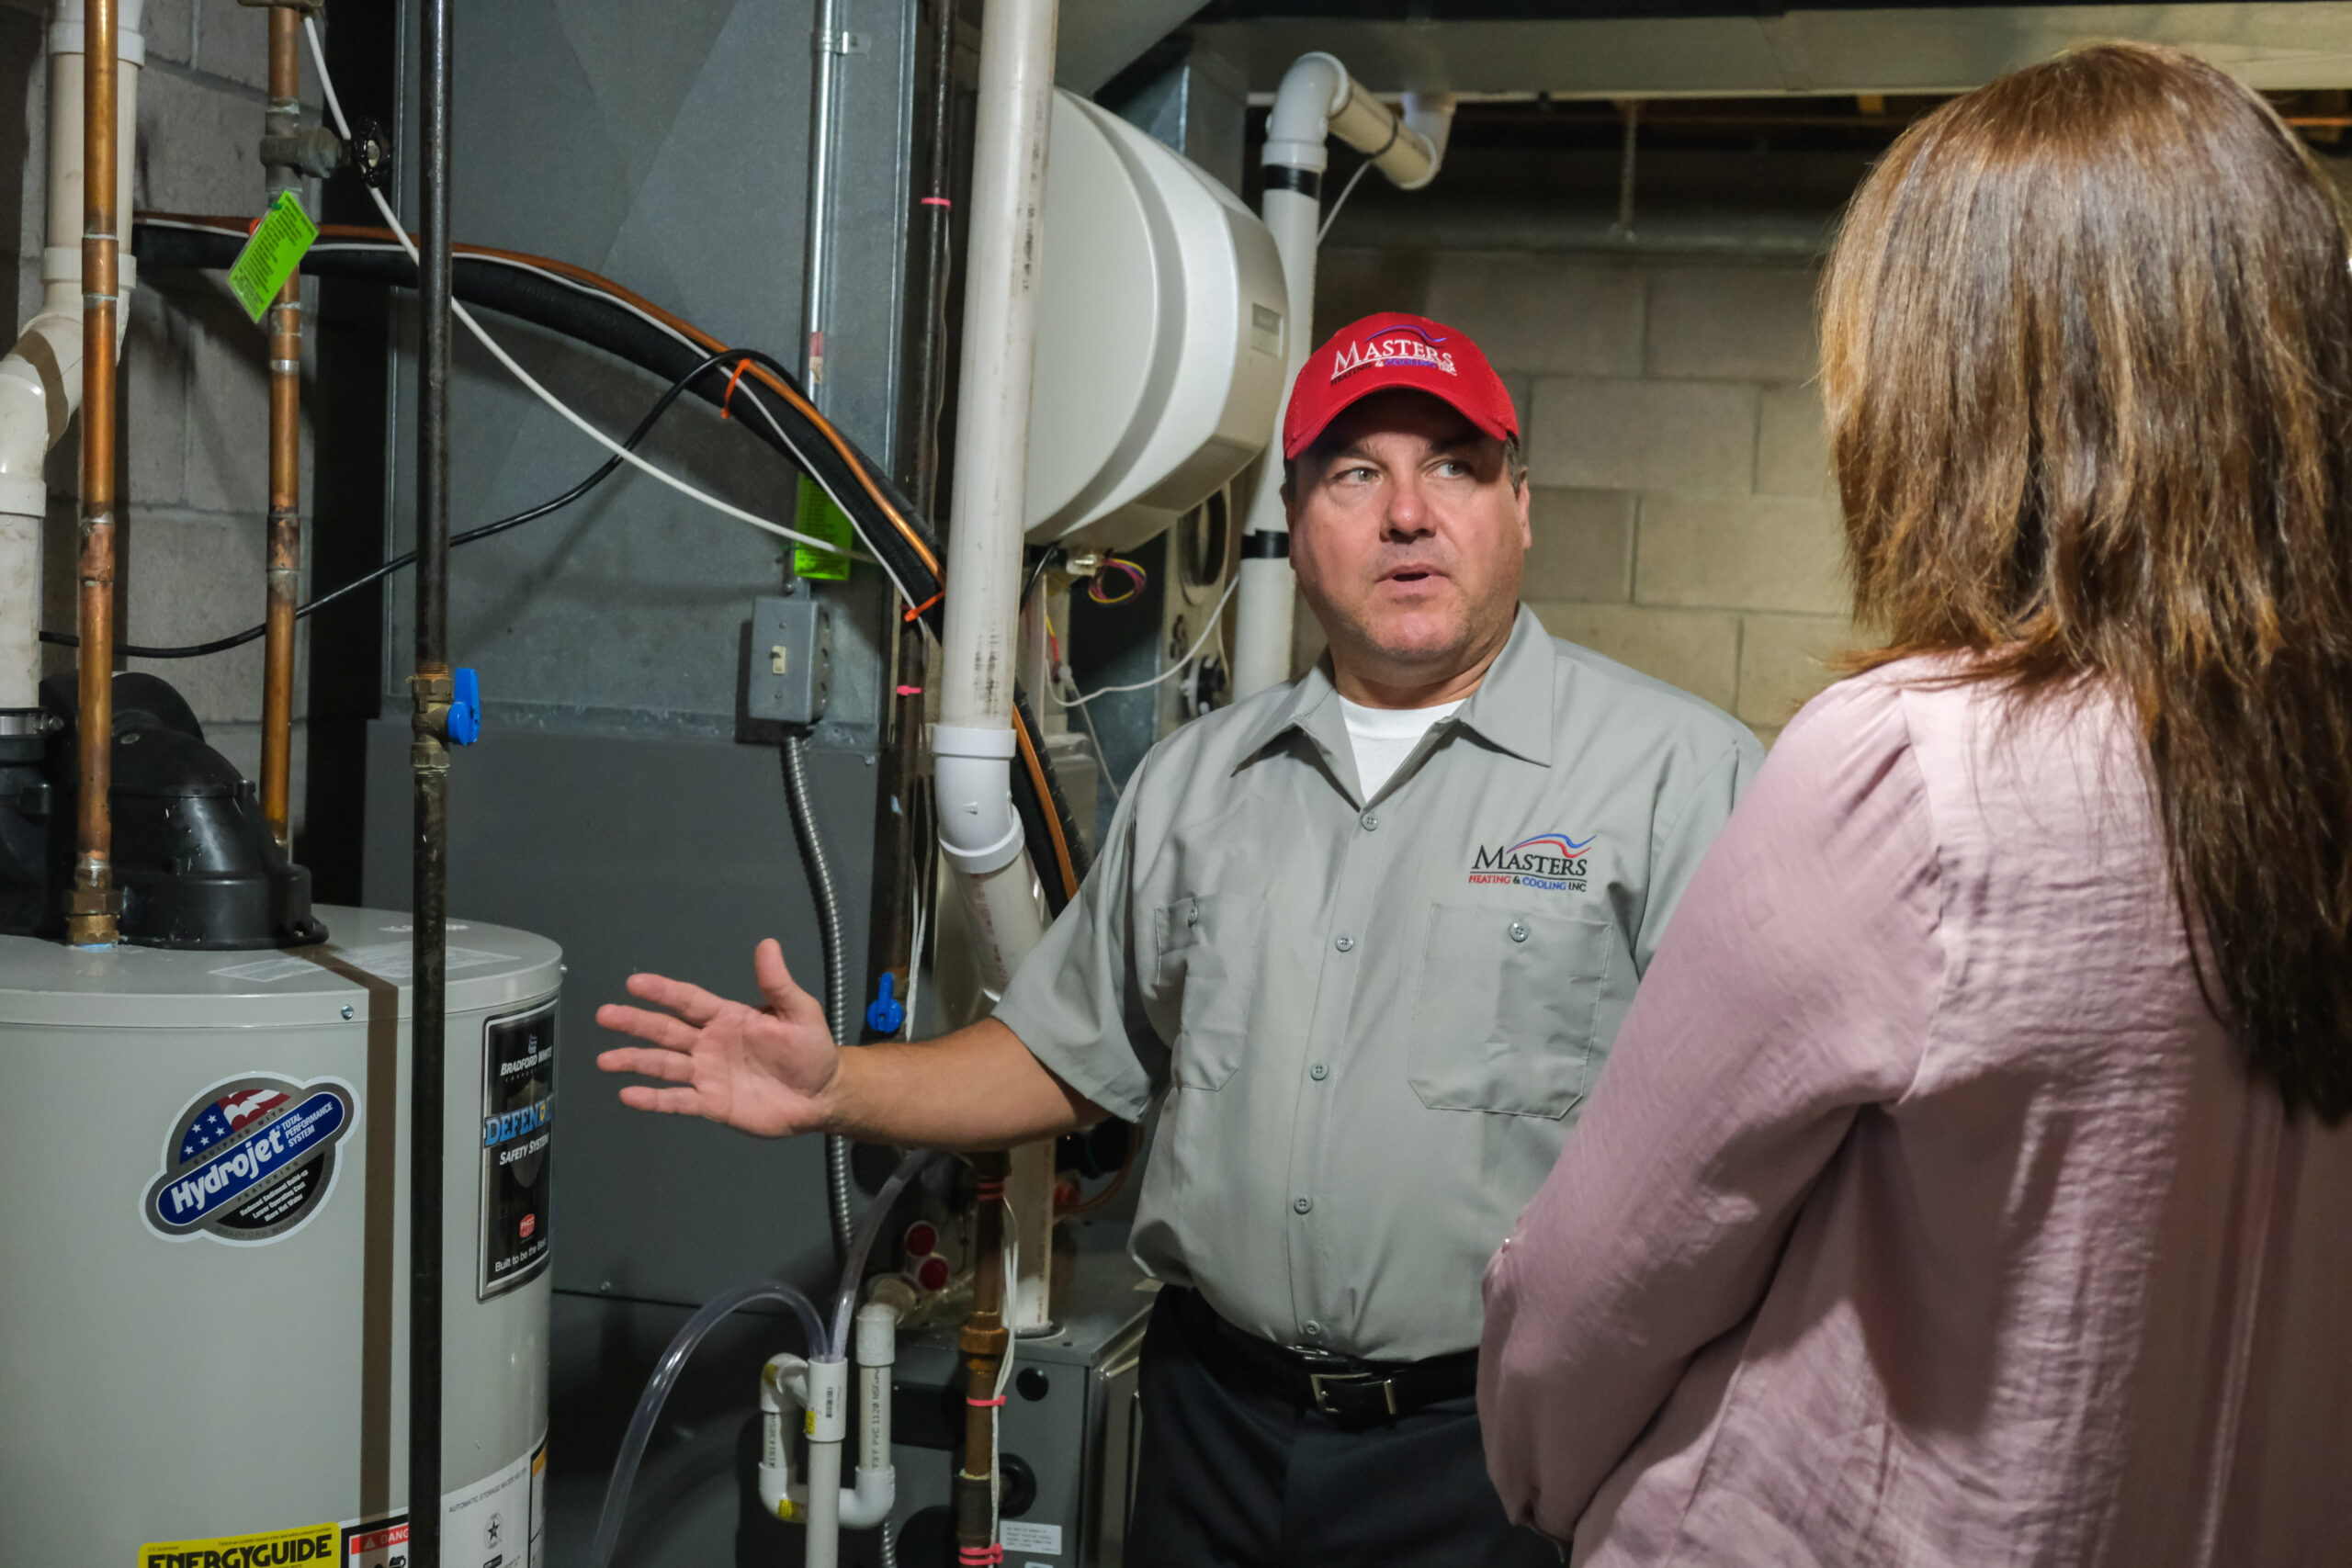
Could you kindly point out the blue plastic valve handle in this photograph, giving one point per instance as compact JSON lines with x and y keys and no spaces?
{"x":888,"y":1012}
{"x":465,"y":707}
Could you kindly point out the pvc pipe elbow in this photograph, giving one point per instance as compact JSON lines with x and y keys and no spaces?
{"x":869,"y":1503}
{"x":787,"y":1384}
{"x":978,"y":832}
{"x":1315,"y":88}
{"x":1318,"y":99}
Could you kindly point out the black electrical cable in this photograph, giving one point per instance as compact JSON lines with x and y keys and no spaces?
{"x":1045,"y":558}
{"x":534,"y":291}
{"x":408,"y":558}
{"x":513,"y":286}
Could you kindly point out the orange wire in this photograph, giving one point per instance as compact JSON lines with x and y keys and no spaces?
{"x":1064,"y":865}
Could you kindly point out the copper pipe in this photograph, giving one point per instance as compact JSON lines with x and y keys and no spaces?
{"x":285,"y":560}
{"x":90,"y":901}
{"x":983,"y":1342}
{"x":285,"y":545}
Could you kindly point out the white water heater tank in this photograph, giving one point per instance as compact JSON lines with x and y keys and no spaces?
{"x":1162,"y":335}
{"x":204,"y":1210}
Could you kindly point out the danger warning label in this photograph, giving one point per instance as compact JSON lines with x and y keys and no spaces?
{"x":271,"y":1549}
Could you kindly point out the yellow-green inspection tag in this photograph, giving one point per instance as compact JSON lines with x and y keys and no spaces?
{"x":816,"y":514}
{"x":272,"y":253}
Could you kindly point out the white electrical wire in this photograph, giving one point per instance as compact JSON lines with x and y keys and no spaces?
{"x":1168,"y":674}
{"x":1345,"y":191}
{"x":399,"y":234}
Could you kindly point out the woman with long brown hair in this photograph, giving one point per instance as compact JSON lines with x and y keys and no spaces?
{"x":1970,"y":1182}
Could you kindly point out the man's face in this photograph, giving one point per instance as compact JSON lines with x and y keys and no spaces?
{"x":1408,"y":537}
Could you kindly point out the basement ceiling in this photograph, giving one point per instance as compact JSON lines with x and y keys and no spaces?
{"x":1690,"y":48}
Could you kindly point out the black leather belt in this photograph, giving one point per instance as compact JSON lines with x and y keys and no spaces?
{"x":1344,"y":1387}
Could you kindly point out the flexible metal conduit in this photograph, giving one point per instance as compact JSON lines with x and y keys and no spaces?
{"x":840,"y":1009}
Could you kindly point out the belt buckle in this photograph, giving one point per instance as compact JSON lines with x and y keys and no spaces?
{"x":1322,"y":1382}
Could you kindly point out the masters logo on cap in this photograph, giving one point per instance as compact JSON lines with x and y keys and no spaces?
{"x":1390,"y":351}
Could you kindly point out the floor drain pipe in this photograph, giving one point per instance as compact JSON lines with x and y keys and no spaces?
{"x":973,"y":744}
{"x":433,"y":689}
{"x":1317,"y":100}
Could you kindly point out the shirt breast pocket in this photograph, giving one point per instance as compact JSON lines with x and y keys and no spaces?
{"x":1208,"y":956}
{"x":1509,"y":1002}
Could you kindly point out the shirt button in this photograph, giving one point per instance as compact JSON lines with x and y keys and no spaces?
{"x":1319,"y":1072}
{"x":1518,"y":930}
{"x":1300,"y":1206}
{"x":1371,"y":820}
{"x":1345,"y":945}
{"x":1311,"y":1329}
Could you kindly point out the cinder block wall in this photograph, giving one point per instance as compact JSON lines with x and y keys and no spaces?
{"x":1685,"y":521}
{"x":195,"y":374}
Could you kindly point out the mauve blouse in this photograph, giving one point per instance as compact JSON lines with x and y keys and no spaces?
{"x":1924,"y":1214}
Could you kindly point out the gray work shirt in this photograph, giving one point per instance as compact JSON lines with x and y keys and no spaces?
{"x":1374,"y":1021}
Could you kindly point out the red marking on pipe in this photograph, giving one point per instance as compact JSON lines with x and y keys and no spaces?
{"x":910,"y":691}
{"x":937,"y":201}
{"x":984,"y":1404}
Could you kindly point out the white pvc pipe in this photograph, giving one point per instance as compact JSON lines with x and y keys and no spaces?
{"x":794,"y":1392}
{"x":1318,"y":99}
{"x":40,"y":378}
{"x":1000,"y":354}
{"x":973,"y":745}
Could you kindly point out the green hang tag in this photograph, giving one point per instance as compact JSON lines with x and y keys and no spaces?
{"x":271,"y":255}
{"x":816,"y":514}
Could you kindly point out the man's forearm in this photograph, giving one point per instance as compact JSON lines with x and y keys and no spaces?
{"x":975,"y":1088}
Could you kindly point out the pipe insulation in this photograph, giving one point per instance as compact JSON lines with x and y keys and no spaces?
{"x":40,"y":378}
{"x":1317,"y":100}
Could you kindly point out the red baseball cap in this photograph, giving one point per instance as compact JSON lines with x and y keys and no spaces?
{"x":1396,"y":350}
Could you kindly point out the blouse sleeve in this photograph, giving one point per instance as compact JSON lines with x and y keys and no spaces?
{"x":1793,"y":987}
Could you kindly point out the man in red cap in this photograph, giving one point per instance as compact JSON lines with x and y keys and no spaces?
{"x":1364,"y":941}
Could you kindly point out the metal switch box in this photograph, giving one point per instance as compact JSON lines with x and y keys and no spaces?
{"x":792,"y":659}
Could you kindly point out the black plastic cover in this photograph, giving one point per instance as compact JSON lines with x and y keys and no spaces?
{"x":194,"y":858}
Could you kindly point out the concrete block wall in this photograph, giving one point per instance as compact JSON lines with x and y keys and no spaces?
{"x":194,"y":394}
{"x":1684,"y":517}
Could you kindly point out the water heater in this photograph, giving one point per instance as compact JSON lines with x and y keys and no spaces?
{"x":204,"y":1210}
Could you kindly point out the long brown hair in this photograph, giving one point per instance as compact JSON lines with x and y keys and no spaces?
{"x":2086,"y":351}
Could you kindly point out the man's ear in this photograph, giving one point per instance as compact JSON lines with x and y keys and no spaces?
{"x":1522,"y":495}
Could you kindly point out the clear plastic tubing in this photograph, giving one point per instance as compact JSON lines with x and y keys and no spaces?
{"x":862,"y":1245}
{"x":665,"y":1376}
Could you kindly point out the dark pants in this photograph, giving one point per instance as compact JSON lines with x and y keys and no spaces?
{"x":1230,"y":1473}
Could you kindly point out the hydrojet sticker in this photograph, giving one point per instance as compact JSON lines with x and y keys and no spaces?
{"x":251,"y":1161}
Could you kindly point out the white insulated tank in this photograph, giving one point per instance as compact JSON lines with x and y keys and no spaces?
{"x":204,"y":1254}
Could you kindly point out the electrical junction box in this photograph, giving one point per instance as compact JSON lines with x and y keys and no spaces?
{"x":792,"y":659}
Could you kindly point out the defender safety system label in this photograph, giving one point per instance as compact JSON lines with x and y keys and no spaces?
{"x":517,"y":1137}
{"x":250,"y":1160}
{"x":271,"y":1549}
